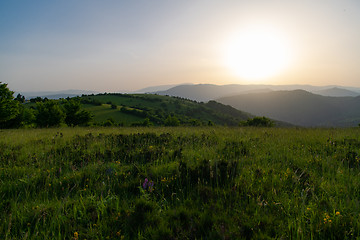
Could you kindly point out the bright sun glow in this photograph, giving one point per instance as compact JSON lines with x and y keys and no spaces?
{"x":258,"y":52}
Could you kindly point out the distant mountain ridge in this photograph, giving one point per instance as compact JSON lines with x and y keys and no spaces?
{"x":55,"y":94}
{"x":206,"y":92}
{"x":158,"y":88}
{"x":299,"y":107}
{"x":337,"y":92}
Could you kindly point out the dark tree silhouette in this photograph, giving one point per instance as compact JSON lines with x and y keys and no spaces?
{"x":9,"y":109}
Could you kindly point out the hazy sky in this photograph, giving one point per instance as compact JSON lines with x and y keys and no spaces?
{"x":115,"y":45}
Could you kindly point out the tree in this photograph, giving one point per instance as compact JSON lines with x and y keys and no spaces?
{"x":74,"y":114}
{"x":49,"y":114}
{"x":35,"y":100}
{"x":9,"y":109}
{"x":258,"y":122}
{"x":172,"y":121}
{"x":20,"y":98}
{"x":25,"y":117}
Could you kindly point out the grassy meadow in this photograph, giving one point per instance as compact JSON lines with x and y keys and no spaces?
{"x":180,"y":183}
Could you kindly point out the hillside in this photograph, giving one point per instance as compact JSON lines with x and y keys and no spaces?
{"x":300,"y":107}
{"x":143,"y":109}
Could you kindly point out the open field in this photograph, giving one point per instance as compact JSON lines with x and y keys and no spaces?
{"x":180,"y":183}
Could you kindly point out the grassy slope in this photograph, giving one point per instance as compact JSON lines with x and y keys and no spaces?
{"x":209,"y":183}
{"x":104,"y":112}
{"x":162,"y":106}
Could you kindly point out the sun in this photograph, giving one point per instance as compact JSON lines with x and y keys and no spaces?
{"x":257,"y":53}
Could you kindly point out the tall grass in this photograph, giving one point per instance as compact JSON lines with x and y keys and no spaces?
{"x":179,"y":183}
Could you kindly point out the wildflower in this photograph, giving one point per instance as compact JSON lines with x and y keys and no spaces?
{"x":327,"y":218}
{"x":337,"y":213}
{"x":76,"y":235}
{"x":49,"y":185}
{"x":144,"y":185}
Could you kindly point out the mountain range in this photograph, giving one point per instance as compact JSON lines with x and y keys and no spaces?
{"x":54,"y":94}
{"x":206,"y":92}
{"x":301,"y":105}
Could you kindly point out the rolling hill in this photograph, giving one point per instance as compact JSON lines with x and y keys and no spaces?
{"x":140,"y":109}
{"x":300,"y":107}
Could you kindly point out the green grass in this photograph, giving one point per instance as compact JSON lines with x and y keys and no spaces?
{"x":209,"y":183}
{"x":104,"y":112}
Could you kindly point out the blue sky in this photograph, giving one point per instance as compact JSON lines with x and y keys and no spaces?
{"x":127,"y":45}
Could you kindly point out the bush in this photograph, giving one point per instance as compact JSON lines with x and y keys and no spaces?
{"x":258,"y":122}
{"x":49,"y":114}
{"x":172,"y":121}
{"x":74,"y":114}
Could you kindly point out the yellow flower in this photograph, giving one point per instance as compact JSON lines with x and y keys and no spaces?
{"x":76,"y":235}
{"x":337,"y":213}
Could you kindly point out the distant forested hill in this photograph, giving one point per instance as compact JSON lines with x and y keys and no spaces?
{"x":300,"y":107}
{"x":145,"y":109}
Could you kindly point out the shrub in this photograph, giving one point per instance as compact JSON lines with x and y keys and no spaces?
{"x":258,"y":122}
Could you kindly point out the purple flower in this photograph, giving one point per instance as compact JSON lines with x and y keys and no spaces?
{"x":148,"y":185}
{"x":145,"y":184}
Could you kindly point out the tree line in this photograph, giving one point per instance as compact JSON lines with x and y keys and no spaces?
{"x":45,"y":113}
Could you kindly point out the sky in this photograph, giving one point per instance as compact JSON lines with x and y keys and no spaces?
{"x":114,"y":46}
